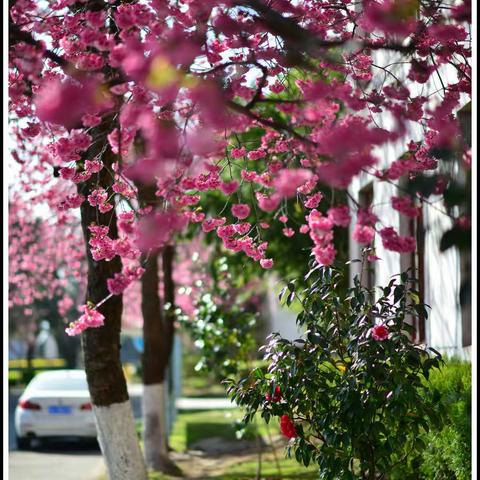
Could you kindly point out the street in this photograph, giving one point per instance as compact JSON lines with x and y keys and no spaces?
{"x":77,"y":461}
{"x":55,"y":460}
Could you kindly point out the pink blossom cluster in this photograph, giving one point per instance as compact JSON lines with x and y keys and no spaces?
{"x":340,"y":215}
{"x":320,"y":231}
{"x":91,"y":318}
{"x":288,"y":180}
{"x":157,"y":228}
{"x":122,"y":280}
{"x":405,"y":206}
{"x":241,"y":210}
{"x":73,"y":200}
{"x":98,"y":198}
{"x":396,"y":243}
{"x":105,"y":248}
{"x":179,"y":122}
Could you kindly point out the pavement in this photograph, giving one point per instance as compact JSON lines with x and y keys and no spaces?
{"x":52,"y":460}
{"x":56,"y":461}
{"x":78,"y":461}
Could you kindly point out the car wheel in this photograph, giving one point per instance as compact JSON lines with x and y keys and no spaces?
{"x":23,"y":443}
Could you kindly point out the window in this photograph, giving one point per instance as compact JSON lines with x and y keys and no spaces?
{"x":466,"y":297}
{"x":365,"y":199}
{"x":414,"y":227}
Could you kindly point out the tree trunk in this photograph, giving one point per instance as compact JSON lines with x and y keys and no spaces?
{"x":101,"y":346}
{"x":158,"y":341}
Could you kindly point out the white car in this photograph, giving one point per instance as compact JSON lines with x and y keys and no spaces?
{"x":55,"y":404}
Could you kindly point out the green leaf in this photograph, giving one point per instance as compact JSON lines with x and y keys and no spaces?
{"x":455,"y":237}
{"x":424,"y":185}
{"x":455,"y":194}
{"x":415,"y":297}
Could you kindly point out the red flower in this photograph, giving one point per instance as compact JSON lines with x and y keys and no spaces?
{"x":277,"y":395}
{"x":380,"y":332}
{"x":287,"y":427}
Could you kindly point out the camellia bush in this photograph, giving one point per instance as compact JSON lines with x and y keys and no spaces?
{"x":352,"y":392}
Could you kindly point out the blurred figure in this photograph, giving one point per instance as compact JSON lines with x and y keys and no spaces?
{"x":45,"y":344}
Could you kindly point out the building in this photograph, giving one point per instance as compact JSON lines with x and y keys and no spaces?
{"x":444,"y":277}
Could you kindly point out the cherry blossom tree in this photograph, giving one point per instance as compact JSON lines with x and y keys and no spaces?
{"x":265,"y":102}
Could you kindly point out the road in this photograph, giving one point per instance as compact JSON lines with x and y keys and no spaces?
{"x":75,"y":461}
{"x":55,"y":460}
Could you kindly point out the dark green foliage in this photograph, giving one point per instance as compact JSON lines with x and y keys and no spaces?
{"x":456,"y":236}
{"x":224,"y":335}
{"x":448,"y":455}
{"x":356,"y":401}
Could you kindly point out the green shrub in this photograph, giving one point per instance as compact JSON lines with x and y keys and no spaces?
{"x":448,"y":453}
{"x":352,"y":393}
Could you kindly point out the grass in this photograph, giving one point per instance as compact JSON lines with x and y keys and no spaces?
{"x":202,"y":385}
{"x":192,"y":426}
{"x":289,"y":468}
{"x":246,"y":469}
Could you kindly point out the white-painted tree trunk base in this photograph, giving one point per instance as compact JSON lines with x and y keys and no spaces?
{"x":155,"y":430}
{"x":119,"y":443}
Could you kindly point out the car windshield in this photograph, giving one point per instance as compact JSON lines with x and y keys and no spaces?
{"x":60,"y":383}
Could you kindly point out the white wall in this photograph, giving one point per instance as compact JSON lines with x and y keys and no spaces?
{"x":442,"y":269}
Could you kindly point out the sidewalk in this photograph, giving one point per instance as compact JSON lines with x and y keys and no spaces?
{"x":190,"y":403}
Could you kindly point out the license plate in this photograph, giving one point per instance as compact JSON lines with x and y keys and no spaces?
{"x":59,"y":410}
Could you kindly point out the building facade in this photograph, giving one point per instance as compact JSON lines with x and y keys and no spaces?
{"x":443,"y":276}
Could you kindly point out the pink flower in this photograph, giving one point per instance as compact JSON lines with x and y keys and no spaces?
{"x":212,"y":223}
{"x":90,"y":120}
{"x":229,"y":187}
{"x":66,"y":102}
{"x":97,"y":197}
{"x":248,"y":175}
{"x":266,"y":263}
{"x":363,"y":234}
{"x":241,"y":210}
{"x":340,"y":216}
{"x":238,"y":152}
{"x":256,"y":154}
{"x":122,"y":280}
{"x":105,"y":207}
{"x":90,"y":319}
{"x":396,"y":243}
{"x":288,"y":180}
{"x":73,"y":200}
{"x":67,"y":173}
{"x":226,"y":231}
{"x":242,"y":228}
{"x":366,"y":217}
{"x":288,"y":232}
{"x":313,"y":200}
{"x":125,"y":222}
{"x":325,"y":255}
{"x":93,"y":166}
{"x":380,"y":333}
{"x":405,"y":206}
{"x":316,"y":221}
{"x":266,"y":203}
